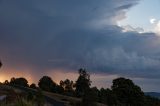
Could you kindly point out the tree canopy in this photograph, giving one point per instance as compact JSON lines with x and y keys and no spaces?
{"x":47,"y":84}
{"x":67,"y":86}
{"x":128,"y":94}
{"x":83,"y":82}
{"x":33,"y":86}
{"x":19,"y":81}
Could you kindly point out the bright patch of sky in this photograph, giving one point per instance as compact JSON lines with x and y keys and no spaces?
{"x":144,"y":15}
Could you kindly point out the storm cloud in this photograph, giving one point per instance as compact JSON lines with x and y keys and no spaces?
{"x":69,"y":34}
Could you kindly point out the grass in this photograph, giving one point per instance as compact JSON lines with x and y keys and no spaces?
{"x":19,"y":102}
{"x":69,"y":101}
{"x":16,"y":97}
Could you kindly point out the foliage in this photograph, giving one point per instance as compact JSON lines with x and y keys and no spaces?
{"x":128,"y":94}
{"x":123,"y":92}
{"x":33,"y":86}
{"x":68,"y":86}
{"x":23,"y":102}
{"x":14,"y":98}
{"x":30,"y":96}
{"x":89,"y":98}
{"x":107,"y":96}
{"x":59,"y":89}
{"x":6,"y":82}
{"x":19,"y":81}
{"x":47,"y":84}
{"x":18,"y":102}
{"x":83,"y":83}
{"x":95,"y":93}
{"x":40,"y":98}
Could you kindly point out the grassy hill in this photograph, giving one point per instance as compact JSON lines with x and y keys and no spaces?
{"x":69,"y":101}
{"x":18,"y":97}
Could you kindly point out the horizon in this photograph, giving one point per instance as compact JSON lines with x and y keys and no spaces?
{"x":55,"y":38}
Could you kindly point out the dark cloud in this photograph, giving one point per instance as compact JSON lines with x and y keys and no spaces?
{"x":53,"y":34}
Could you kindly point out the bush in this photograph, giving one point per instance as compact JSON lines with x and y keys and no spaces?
{"x":23,"y":102}
{"x":89,"y":98}
{"x":40,"y":98}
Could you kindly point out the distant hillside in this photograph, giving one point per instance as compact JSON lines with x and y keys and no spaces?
{"x":153,"y":94}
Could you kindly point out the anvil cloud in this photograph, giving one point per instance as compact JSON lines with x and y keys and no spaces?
{"x":45,"y":35}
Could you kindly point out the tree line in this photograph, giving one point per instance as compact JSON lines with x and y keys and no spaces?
{"x":123,"y":92}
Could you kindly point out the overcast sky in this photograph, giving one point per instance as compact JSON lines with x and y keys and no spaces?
{"x":110,"y":38}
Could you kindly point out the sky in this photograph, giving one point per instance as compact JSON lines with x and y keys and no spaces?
{"x":109,"y":38}
{"x":143,"y":15}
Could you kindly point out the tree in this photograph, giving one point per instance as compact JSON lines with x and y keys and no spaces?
{"x":47,"y":84}
{"x":95,"y":92}
{"x":128,"y":94}
{"x":83,"y":83}
{"x":12,"y":81}
{"x":89,"y":98}
{"x":6,"y":82}
{"x":68,"y":86}
{"x":33,"y":86}
{"x":19,"y":81}
{"x":107,"y":97}
{"x":59,"y":89}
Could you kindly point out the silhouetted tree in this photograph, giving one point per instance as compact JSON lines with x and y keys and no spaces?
{"x":61,"y":83}
{"x":106,"y":96}
{"x":47,"y":84}
{"x":33,"y":86}
{"x":83,"y":83}
{"x":102,"y":96}
{"x":6,"y":82}
{"x":95,"y":92}
{"x":128,"y":94}
{"x":19,"y":81}
{"x":59,"y":89}
{"x":89,"y":98}
{"x":68,"y":86}
{"x":12,"y":81}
